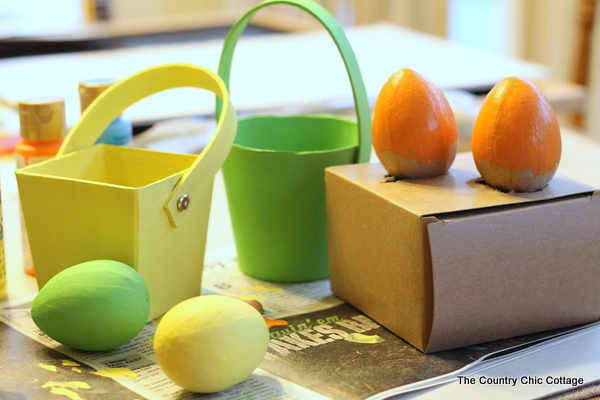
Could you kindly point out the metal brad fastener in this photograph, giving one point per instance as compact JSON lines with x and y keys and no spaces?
{"x":183,"y":203}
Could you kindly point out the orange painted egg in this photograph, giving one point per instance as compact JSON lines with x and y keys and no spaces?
{"x":414,"y":131}
{"x":516,"y":138}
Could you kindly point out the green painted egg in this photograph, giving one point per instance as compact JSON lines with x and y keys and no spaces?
{"x":96,"y":305}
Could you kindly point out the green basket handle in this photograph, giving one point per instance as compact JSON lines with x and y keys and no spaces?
{"x":363,"y":112}
{"x":114,"y":100}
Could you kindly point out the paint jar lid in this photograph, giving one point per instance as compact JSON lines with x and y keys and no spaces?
{"x":42,"y":118}
{"x":91,"y":88}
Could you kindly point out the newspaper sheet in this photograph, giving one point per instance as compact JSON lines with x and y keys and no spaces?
{"x":320,"y":347}
{"x":133,"y":366}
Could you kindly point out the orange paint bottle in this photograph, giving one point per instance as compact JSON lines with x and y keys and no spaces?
{"x":43,"y":128}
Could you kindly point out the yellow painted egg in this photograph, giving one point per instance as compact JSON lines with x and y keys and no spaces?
{"x":97,"y":305}
{"x":209,"y":343}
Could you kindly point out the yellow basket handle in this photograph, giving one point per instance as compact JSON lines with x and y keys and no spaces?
{"x":113,"y":101}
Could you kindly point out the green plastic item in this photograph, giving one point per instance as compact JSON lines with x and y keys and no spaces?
{"x":274,"y":174}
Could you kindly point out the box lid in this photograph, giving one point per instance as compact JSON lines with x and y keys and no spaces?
{"x":453,"y":191}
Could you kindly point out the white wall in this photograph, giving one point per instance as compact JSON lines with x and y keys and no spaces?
{"x":26,"y":16}
{"x":493,"y":25}
{"x":592,"y":119}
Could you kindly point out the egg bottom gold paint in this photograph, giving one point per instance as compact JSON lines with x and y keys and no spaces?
{"x":516,"y":181}
{"x":405,"y":168}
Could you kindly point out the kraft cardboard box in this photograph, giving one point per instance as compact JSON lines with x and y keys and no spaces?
{"x":448,"y":262}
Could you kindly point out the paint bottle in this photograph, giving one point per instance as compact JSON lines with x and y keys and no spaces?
{"x":43,"y":128}
{"x":120,"y":131}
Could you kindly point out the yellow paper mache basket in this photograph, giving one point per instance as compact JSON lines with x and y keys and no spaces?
{"x":145,"y":208}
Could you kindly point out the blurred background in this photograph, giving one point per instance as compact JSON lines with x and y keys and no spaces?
{"x":559,"y":34}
